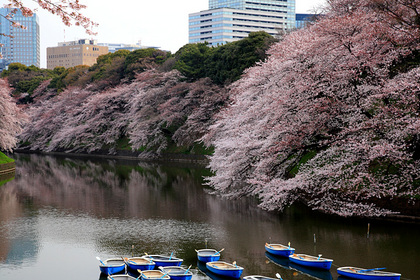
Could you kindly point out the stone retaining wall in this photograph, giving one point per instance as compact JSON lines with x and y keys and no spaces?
{"x":6,"y":168}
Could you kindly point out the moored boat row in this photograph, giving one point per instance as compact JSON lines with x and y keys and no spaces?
{"x":145,"y":266}
{"x":325,"y":264}
{"x":154,"y":267}
{"x":211,"y":258}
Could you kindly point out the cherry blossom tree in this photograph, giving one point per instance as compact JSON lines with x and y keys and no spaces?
{"x":328,"y":119}
{"x":11,"y":118}
{"x":152,"y":111}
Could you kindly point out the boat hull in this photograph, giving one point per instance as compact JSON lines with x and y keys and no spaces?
{"x":160,"y":260}
{"x":279,"y":250}
{"x":112,"y":266}
{"x":208,"y":255}
{"x":310,"y":261}
{"x":218,"y":268}
{"x":353,"y":272}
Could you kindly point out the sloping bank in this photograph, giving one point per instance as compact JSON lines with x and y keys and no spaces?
{"x":7,"y":169}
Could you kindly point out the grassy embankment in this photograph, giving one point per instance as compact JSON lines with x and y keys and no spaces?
{"x":5,"y":163}
{"x":5,"y":159}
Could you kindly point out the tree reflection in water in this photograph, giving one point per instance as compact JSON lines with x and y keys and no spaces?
{"x":91,"y":206}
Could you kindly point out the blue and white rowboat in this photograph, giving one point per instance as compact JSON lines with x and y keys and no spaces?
{"x":208,"y":255}
{"x":225,"y":269}
{"x":112,"y":266}
{"x":177,"y":272}
{"x":367,"y":274}
{"x":161,"y":260}
{"x":140,"y":263}
{"x":153,"y":275}
{"x":311,"y":261}
{"x":279,"y":250}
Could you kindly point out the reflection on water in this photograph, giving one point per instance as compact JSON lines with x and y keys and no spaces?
{"x":59,"y":213}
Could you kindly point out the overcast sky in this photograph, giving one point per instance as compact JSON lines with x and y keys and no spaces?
{"x":159,"y":23}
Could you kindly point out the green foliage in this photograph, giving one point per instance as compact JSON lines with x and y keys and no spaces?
{"x":25,"y":79}
{"x":124,"y":144}
{"x":303,"y":159}
{"x":75,"y":76}
{"x":230,"y":60}
{"x":13,"y":67}
{"x":110,"y":69}
{"x":191,"y":60}
{"x":140,"y":60}
{"x":109,"y":66}
{"x":383,"y":167}
{"x":224,"y":64}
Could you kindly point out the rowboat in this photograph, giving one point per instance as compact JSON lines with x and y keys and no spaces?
{"x":279,"y":250}
{"x":140,"y":263}
{"x":258,"y":277}
{"x":225,"y":269}
{"x":177,"y":272}
{"x":208,"y":255}
{"x":320,"y":274}
{"x":112,"y":266}
{"x":367,"y":274}
{"x":161,"y":260}
{"x":121,"y":277}
{"x":311,"y":261}
{"x":153,"y":275}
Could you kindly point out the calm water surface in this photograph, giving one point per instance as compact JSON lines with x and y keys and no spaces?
{"x":59,"y":213}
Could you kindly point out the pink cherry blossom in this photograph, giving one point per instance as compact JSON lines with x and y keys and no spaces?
{"x":327,"y":120}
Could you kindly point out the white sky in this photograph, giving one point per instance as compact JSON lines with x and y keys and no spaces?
{"x":159,"y":23}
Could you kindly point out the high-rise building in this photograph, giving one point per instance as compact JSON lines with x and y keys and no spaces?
{"x":302,"y":20}
{"x":74,"y":53}
{"x":19,"y":44}
{"x":232,"y":20}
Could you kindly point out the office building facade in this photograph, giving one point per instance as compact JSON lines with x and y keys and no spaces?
{"x":302,"y":20}
{"x":74,"y":53}
{"x":20,"y":45}
{"x":231,"y":20}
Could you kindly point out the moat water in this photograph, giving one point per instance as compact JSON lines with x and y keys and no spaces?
{"x":59,"y":213}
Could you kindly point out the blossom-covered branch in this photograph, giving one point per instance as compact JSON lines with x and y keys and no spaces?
{"x":67,"y":10}
{"x":11,"y":118}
